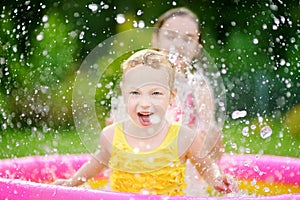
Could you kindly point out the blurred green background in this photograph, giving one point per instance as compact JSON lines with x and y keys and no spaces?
{"x":255,"y":45}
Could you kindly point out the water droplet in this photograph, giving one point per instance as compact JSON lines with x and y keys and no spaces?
{"x":144,"y":191}
{"x":234,"y":145}
{"x":260,"y":119}
{"x":247,"y":150}
{"x":104,"y":6}
{"x":273,"y":7}
{"x":253,"y":126}
{"x":154,"y":119}
{"x":45,"y":18}
{"x":136,"y":150}
{"x":245,"y":131}
{"x":282,"y":62}
{"x":40,"y":36}
{"x":15,"y":49}
{"x":255,"y":41}
{"x":139,"y":12}
{"x":4,"y":126}
{"x":81,"y":35}
{"x":238,"y":114}
{"x":120,"y":18}
{"x":253,"y":182}
{"x":264,"y":26}
{"x":293,"y":40}
{"x":266,"y":189}
{"x":255,"y":168}
{"x":265,"y":132}
{"x":29,"y":121}
{"x":93,"y":7}
{"x":139,"y":24}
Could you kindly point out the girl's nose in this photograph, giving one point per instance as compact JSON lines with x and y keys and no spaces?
{"x":145,"y":101}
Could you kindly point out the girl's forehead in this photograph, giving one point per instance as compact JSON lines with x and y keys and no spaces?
{"x":142,"y":75}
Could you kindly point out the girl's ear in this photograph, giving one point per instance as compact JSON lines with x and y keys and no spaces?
{"x":122,"y":91}
{"x":173,"y":97}
{"x":154,"y":40}
{"x":121,"y":88}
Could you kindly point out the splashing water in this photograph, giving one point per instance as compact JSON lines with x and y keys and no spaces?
{"x":245,"y":131}
{"x":155,"y":119}
{"x":238,"y":114}
{"x":266,"y":132}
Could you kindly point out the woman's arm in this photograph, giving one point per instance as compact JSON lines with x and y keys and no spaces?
{"x":205,"y":103}
{"x":207,"y":167}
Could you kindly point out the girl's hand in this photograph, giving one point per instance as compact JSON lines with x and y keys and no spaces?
{"x":63,"y":182}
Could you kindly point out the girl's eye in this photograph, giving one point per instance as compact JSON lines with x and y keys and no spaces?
{"x":134,"y":93}
{"x":157,"y":93}
{"x":171,"y":37}
{"x":187,"y":39}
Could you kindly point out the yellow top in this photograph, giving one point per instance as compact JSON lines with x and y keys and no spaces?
{"x":153,"y":172}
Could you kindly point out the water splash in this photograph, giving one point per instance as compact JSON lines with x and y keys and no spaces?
{"x":93,"y":7}
{"x":266,"y":132}
{"x":238,"y":114}
{"x":245,"y":131}
{"x":120,"y":18}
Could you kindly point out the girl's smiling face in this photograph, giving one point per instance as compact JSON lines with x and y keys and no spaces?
{"x":147,"y":94}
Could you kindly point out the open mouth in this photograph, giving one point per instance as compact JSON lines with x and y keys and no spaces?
{"x":145,"y":118}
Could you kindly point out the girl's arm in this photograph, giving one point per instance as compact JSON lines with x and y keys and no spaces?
{"x":88,"y":170}
{"x":96,"y":164}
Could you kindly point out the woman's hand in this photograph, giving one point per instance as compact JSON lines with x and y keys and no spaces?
{"x":225,"y":184}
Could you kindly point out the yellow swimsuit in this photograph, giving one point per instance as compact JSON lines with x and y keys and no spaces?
{"x":153,"y":172}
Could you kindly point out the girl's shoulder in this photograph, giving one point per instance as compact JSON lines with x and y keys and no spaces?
{"x":107,"y":133}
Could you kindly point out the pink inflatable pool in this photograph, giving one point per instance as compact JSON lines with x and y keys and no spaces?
{"x":266,"y":177}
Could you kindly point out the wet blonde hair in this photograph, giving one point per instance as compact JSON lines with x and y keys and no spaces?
{"x":151,"y":58}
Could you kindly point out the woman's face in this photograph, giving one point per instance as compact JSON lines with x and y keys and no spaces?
{"x":179,"y":36}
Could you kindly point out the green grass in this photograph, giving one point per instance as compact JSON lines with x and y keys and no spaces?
{"x":281,"y":142}
{"x":19,"y":144}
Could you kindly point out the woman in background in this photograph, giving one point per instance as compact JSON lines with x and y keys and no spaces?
{"x":177,"y":33}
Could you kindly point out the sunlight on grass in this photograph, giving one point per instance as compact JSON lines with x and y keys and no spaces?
{"x":242,"y":137}
{"x":20,"y":144}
